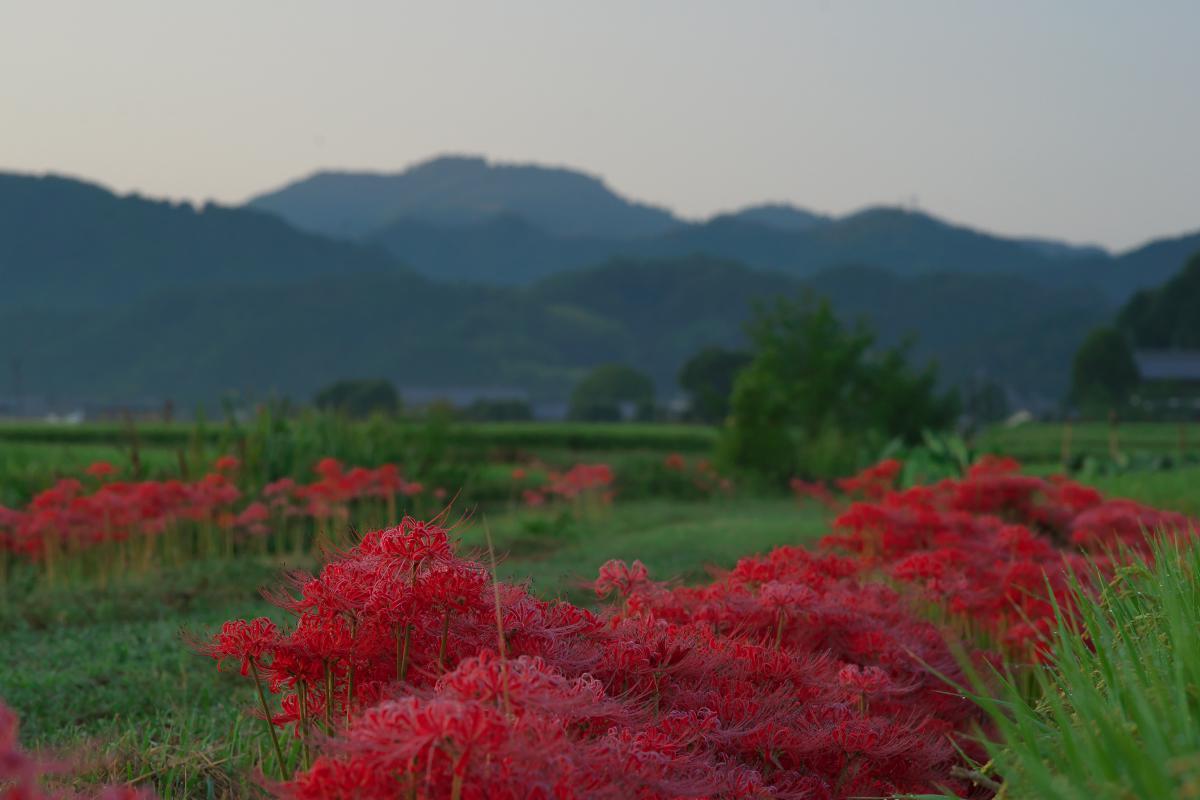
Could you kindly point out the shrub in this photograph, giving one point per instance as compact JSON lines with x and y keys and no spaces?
{"x":612,"y":393}
{"x":359,"y":398}
{"x":819,"y":399}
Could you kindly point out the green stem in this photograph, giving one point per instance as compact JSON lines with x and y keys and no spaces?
{"x":349,"y":692}
{"x":328,"y":698}
{"x":262,"y":697}
{"x":402,"y":654}
{"x":445,"y":638}
{"x":303,"y":692}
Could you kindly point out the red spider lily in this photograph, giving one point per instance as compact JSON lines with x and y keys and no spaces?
{"x":227,"y":464}
{"x":804,"y":490}
{"x":245,"y":641}
{"x":66,"y":518}
{"x":873,"y":482}
{"x":791,"y":677}
{"x":101,"y":470}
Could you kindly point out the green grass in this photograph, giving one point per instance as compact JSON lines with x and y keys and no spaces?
{"x":28,"y":467}
{"x":477,"y":457}
{"x":106,"y":674}
{"x":108,"y":666}
{"x":573,"y":436}
{"x":1043,"y":441}
{"x":1118,"y":715}
{"x":674,"y":540}
{"x":1175,"y":489}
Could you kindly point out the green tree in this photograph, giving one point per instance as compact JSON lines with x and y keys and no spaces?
{"x":819,"y":398}
{"x":607,"y":391}
{"x":985,"y":401}
{"x":1168,"y":316}
{"x":1104,"y":374}
{"x":708,"y":379}
{"x":499,"y":410}
{"x":359,"y":398}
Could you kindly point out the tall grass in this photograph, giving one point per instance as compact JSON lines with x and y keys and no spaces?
{"x":1116,"y":712}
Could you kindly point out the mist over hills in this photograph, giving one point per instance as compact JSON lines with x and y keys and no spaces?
{"x":113,"y":297}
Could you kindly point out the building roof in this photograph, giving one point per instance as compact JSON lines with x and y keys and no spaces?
{"x":1168,"y":365}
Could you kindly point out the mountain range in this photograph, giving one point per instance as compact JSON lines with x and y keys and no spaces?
{"x":527,"y":279}
{"x":467,"y":220}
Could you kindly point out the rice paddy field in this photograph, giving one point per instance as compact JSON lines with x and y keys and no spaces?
{"x":587,"y":611}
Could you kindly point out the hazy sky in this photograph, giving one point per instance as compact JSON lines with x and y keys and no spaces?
{"x":1076,"y":119}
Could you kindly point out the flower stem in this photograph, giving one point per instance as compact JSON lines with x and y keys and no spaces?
{"x":445,"y":638}
{"x":262,"y":697}
{"x":328,"y":698}
{"x":402,"y":654}
{"x":303,"y":691}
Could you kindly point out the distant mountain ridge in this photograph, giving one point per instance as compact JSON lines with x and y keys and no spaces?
{"x":114,"y":297}
{"x":291,"y":338}
{"x":69,"y":244}
{"x":783,"y":216}
{"x":462,"y":190}
{"x":465,"y":219}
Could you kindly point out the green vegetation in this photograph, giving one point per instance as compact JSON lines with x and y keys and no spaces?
{"x":579,"y":437}
{"x":1106,"y":377}
{"x":608,"y":391}
{"x":1173,"y":489}
{"x":27,"y":467}
{"x":1165,"y":317}
{"x":1117,"y":714}
{"x":1104,"y":374}
{"x":708,"y":379}
{"x":498,"y":410}
{"x":1049,"y":442}
{"x":442,"y":452}
{"x":818,"y":400}
{"x":359,"y":398}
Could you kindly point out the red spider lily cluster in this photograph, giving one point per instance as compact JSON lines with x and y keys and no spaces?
{"x":21,"y":773}
{"x":703,"y":475}
{"x":873,"y":483}
{"x":212,"y":512}
{"x":422,"y":677}
{"x":799,"y":674}
{"x":582,"y":483}
{"x":337,"y":490}
{"x":995,"y":550}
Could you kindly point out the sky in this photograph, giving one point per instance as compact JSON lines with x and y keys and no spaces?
{"x":1073,"y":119}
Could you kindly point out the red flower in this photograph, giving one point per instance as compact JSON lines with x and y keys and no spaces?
{"x":227,"y":464}
{"x":101,"y":470}
{"x":246,"y":641}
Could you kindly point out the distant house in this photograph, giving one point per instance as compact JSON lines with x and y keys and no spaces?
{"x":1170,"y":384}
